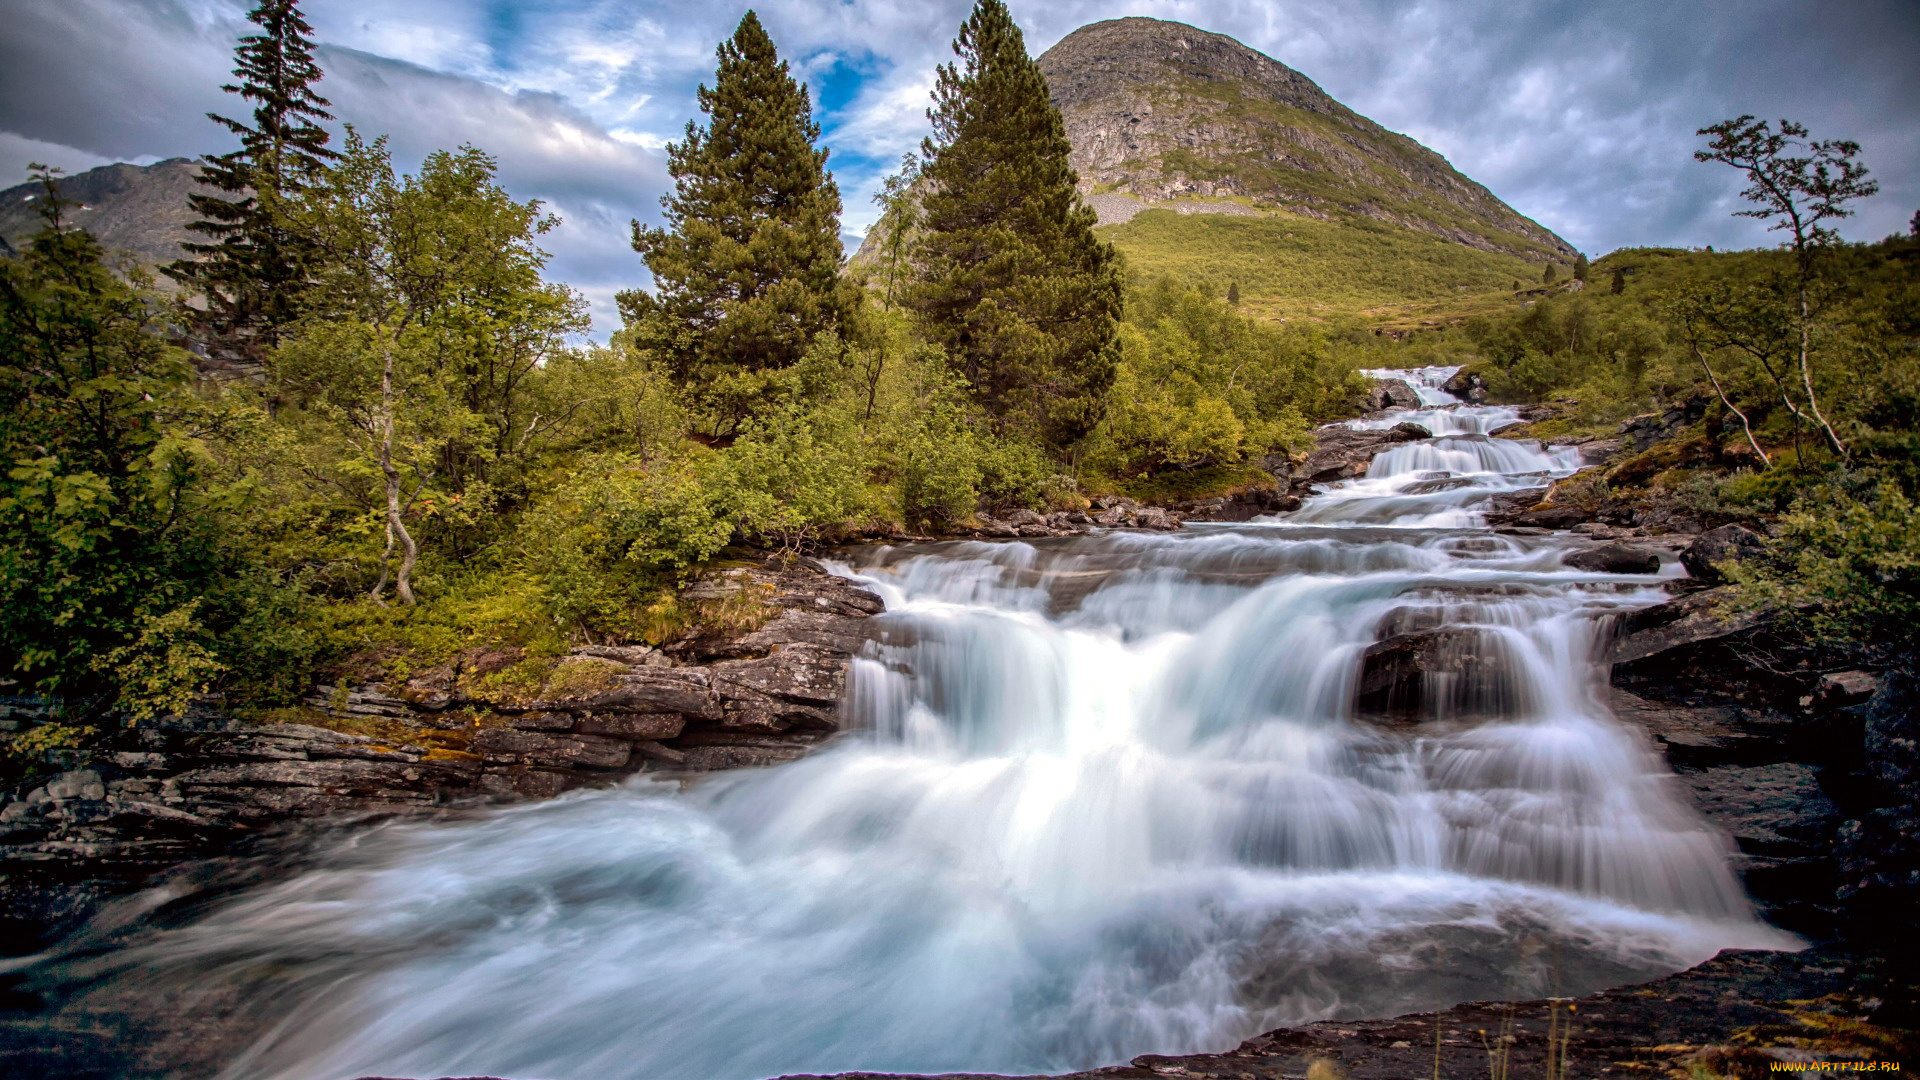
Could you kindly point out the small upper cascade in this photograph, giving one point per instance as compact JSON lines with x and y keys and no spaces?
{"x":1442,"y":482}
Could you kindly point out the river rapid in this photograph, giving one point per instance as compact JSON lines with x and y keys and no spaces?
{"x":1103,"y":796}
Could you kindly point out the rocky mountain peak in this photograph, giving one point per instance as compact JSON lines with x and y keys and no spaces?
{"x":133,"y":210}
{"x":1162,"y":112}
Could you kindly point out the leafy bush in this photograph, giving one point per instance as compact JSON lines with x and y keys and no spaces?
{"x":616,"y":531}
{"x":1848,"y":567}
{"x":1200,"y":385}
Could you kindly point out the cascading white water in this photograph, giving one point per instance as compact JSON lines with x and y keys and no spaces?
{"x":1106,"y":796}
{"x":1439,"y":482}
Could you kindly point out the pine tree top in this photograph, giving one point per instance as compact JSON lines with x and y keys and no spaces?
{"x":998,"y":144}
{"x":756,"y":156}
{"x":277,"y":71}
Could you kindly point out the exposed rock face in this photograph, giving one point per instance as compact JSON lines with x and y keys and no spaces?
{"x":1879,"y":851}
{"x":1106,"y":512}
{"x":132,"y":209}
{"x":1466,"y":385}
{"x":1342,"y":453}
{"x":1693,"y":622}
{"x":720,"y":697}
{"x":1641,"y":432}
{"x":1241,"y":506}
{"x":1158,"y":110}
{"x":1728,"y":542}
{"x":1392,"y":394}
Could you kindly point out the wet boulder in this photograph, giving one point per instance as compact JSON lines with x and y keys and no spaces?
{"x":1684,"y":623}
{"x":1467,"y":386}
{"x":1615,"y":559}
{"x":1728,"y":543}
{"x":1392,"y":393}
{"x":1439,"y":674}
{"x":1343,"y":453}
{"x":1444,"y":483}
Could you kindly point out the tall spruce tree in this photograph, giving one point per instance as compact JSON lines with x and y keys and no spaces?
{"x":252,"y":269}
{"x":1580,"y":267}
{"x":747,"y":269}
{"x":1010,"y":277}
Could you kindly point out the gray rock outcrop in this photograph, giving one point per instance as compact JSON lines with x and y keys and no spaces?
{"x":1163,"y":112}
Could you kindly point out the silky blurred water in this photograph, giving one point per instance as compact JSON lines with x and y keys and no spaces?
{"x":1104,"y":796}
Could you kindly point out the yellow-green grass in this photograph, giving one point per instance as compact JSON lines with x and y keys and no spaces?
{"x":1289,"y":266}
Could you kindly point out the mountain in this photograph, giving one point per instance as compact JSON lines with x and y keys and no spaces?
{"x":1215,"y":163}
{"x":135,"y":210}
{"x":1160,"y":111}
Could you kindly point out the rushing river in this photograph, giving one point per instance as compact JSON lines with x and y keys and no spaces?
{"x":1104,"y":796}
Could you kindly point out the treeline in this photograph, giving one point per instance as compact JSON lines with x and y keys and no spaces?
{"x":428,"y":461}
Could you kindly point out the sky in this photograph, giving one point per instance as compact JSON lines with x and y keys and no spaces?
{"x":1579,"y":115}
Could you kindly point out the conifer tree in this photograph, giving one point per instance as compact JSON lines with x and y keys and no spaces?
{"x":747,"y":269}
{"x":1011,"y":279}
{"x":1233,"y":293}
{"x":1549,"y":275}
{"x":252,"y":269}
{"x":1580,"y":266}
{"x":1619,"y":282}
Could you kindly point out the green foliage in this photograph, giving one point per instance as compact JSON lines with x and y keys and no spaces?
{"x":164,"y":665}
{"x":428,"y":331}
{"x":1010,"y":279}
{"x":747,"y":269}
{"x":1581,"y":267}
{"x":1846,"y":565}
{"x":617,"y":531}
{"x":796,"y":474}
{"x":1201,"y":386}
{"x":253,"y":270}
{"x":28,"y":753}
{"x":110,"y":509}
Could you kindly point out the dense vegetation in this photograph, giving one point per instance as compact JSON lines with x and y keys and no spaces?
{"x":430,"y":463}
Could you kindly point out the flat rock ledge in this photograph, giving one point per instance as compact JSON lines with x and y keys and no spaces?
{"x":760,"y":690}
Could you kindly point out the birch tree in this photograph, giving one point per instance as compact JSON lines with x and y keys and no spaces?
{"x":1795,"y":185}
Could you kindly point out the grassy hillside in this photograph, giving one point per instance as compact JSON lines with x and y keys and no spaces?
{"x":1289,"y":266}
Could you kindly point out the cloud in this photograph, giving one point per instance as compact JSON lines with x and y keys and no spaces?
{"x":1579,"y":115}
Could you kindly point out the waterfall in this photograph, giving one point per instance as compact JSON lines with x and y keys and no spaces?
{"x":1439,"y":482}
{"x":1103,"y":796}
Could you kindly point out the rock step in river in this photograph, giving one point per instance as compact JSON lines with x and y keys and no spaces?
{"x":1106,"y":796}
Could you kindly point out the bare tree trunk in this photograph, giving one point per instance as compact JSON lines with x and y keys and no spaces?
{"x":396,"y":527}
{"x":1806,"y":379}
{"x":1745,"y":424}
{"x":386,"y":569}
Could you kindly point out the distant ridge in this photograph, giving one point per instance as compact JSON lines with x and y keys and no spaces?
{"x":135,"y":210}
